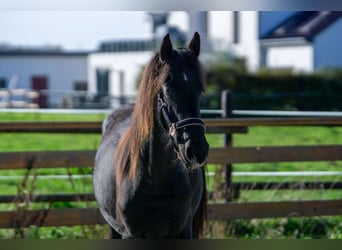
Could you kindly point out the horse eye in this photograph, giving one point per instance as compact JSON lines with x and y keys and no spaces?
{"x":168,"y":91}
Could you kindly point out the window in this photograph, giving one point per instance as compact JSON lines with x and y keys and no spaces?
{"x":39,"y":84}
{"x":102,"y":80}
{"x":3,"y":83}
{"x":81,"y":86}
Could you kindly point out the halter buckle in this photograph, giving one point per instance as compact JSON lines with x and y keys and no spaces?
{"x":172,"y":130}
{"x":161,"y":104}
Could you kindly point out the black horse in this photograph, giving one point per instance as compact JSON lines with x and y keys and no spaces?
{"x":149,"y":180}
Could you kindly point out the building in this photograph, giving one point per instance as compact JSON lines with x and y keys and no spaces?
{"x":113,"y":71}
{"x":234,"y":32}
{"x":44,"y":70}
{"x":303,"y":41}
{"x":306,"y":41}
{"x":300,"y":41}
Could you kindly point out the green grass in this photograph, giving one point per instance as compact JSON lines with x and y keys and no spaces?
{"x":76,"y":232}
{"x":83,"y":185}
{"x":287,"y":136}
{"x":48,"y":141}
{"x":256,"y":136}
{"x":283,"y":228}
{"x":41,"y":117}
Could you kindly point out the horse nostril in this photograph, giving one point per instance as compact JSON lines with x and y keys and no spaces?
{"x":196,"y":154}
{"x":202,"y":153}
{"x":196,"y":150}
{"x":189,"y":153}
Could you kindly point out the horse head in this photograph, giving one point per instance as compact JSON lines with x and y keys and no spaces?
{"x":179,"y":101}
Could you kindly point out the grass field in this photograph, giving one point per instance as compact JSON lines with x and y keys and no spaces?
{"x":256,"y":136}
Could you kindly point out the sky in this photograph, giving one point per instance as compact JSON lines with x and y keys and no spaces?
{"x":73,"y":30}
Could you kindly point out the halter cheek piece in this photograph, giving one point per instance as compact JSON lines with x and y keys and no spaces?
{"x":173,"y":127}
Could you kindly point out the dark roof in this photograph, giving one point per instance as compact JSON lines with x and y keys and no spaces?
{"x":306,"y":24}
{"x":126,"y":45}
{"x":15,"y":51}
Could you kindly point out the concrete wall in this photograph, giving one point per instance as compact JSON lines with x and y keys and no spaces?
{"x":299,"y":58}
{"x":249,"y":39}
{"x":220,"y":29}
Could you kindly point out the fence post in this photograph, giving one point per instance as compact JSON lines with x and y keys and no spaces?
{"x":227,"y":108}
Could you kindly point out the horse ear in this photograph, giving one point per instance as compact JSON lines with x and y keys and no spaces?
{"x":166,"y":49}
{"x":195,"y":44}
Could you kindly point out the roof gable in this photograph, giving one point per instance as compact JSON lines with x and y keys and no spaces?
{"x":305,"y":24}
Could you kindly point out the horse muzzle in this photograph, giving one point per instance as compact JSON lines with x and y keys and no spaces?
{"x":194,"y":151}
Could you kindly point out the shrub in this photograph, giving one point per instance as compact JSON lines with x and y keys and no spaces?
{"x":319,"y":91}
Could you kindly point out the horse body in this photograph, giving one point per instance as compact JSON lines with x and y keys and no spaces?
{"x":160,"y":194}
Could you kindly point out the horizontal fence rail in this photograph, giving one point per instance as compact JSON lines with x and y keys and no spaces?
{"x":203,"y":111}
{"x":46,"y":159}
{"x":285,"y":113}
{"x":287,"y":185}
{"x":85,"y":158}
{"x":214,"y":125}
{"x":275,"y":154}
{"x":87,"y":127}
{"x":51,"y":127}
{"x":224,"y":211}
{"x":47,"y":198}
{"x":295,"y":121}
{"x":51,"y":217}
{"x":277,"y":209}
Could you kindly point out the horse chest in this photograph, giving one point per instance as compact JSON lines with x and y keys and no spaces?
{"x":157,"y":210}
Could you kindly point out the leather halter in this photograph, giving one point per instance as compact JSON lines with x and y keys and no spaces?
{"x":173,"y":127}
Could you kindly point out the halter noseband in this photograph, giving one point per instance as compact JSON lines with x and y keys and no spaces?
{"x":173,"y":127}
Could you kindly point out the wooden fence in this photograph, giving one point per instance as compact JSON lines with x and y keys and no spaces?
{"x":226,"y":155}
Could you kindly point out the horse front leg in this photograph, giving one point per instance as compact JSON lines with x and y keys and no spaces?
{"x":186,"y":233}
{"x":113,"y":234}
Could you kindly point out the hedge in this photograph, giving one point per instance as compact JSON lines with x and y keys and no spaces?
{"x":275,"y":92}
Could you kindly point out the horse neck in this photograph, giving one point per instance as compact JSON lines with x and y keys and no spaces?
{"x":160,"y":155}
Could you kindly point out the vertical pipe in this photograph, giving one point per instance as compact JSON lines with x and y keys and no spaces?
{"x":227,"y":107}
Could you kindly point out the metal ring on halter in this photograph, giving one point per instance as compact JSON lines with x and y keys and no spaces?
{"x":174,"y":126}
{"x":172,"y":130}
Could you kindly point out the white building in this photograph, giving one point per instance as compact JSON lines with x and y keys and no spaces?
{"x":114,"y":69}
{"x":236,"y":32}
{"x":116,"y":74}
{"x":305,"y":42}
{"x":44,"y":70}
{"x":302,"y":41}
